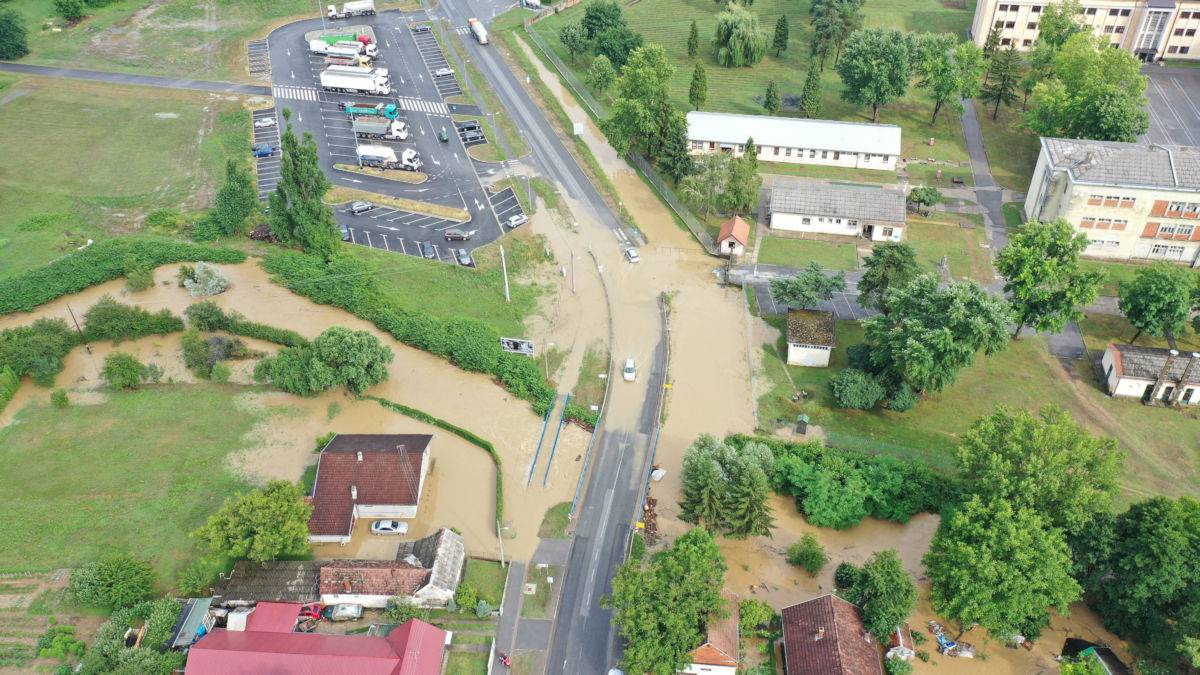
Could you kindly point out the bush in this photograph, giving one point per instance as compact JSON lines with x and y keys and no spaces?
{"x":856,"y":389}
{"x":111,"y":320}
{"x":123,"y":371}
{"x":483,"y":609}
{"x":339,"y":356}
{"x":9,"y":383}
{"x":401,"y":610}
{"x":100,"y":262}
{"x":466,"y":595}
{"x":138,"y":274}
{"x":637,"y":547}
{"x":164,"y":614}
{"x":200,"y":575}
{"x":206,"y":280}
{"x":808,"y":555}
{"x":59,"y":643}
{"x":220,"y":373}
{"x":585,"y":416}
{"x":754,"y":617}
{"x":897,"y":666}
{"x":71,"y":11}
{"x":115,"y":581}
{"x":58,"y":398}
{"x":209,"y":317}
{"x":108,"y":653}
{"x":14,"y":37}
{"x":903,"y":399}
{"x":206,"y":316}
{"x":846,"y":578}
{"x":37,"y":350}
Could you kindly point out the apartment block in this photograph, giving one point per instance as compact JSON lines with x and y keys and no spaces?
{"x":1150,"y":29}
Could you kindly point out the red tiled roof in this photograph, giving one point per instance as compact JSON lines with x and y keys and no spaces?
{"x":380,"y":477}
{"x":273,"y":617}
{"x":372,"y":577}
{"x":721,"y":646}
{"x":737,"y":228}
{"x":414,"y":648}
{"x":825,"y":636}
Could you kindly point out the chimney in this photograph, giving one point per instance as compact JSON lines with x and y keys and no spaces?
{"x":346,"y":585}
{"x":360,"y":455}
{"x":820,"y":634}
{"x":353,"y":492}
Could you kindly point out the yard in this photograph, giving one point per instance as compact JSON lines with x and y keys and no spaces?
{"x":1012,"y":152}
{"x":138,"y":472}
{"x":828,"y":172}
{"x":800,"y":252}
{"x":1116,"y":273}
{"x":538,"y":604}
{"x":941,"y":236}
{"x":112,"y":175}
{"x":1100,"y":329}
{"x":487,"y":576}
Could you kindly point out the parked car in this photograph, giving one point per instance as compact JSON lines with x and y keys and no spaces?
{"x":455,"y":234}
{"x":470,"y":126}
{"x":629,"y":372}
{"x":427,"y":250}
{"x":361,"y":207}
{"x":420,"y":28}
{"x":389,"y":527}
{"x":631,"y":254}
{"x":342,"y":611}
{"x":443,"y":72}
{"x":472,"y":135}
{"x":464,"y":258}
{"x":264,"y":122}
{"x":263,"y":150}
{"x":345,"y":233}
{"x":516,"y":221}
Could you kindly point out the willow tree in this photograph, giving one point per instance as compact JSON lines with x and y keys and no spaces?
{"x":739,"y":41}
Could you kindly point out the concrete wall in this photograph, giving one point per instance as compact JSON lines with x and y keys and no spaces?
{"x":808,"y":355}
{"x":697,"y":669}
{"x":798,"y":155}
{"x":794,"y":222}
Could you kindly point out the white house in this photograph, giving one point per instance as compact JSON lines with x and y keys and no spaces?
{"x":810,"y":337}
{"x":734,"y":237}
{"x":1151,"y":374}
{"x":813,"y":207}
{"x":719,"y":653}
{"x":860,"y":145}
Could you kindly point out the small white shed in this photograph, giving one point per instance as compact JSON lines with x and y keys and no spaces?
{"x":810,"y":337}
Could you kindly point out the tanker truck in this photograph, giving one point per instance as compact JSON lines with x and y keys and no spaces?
{"x":354,"y":8}
{"x":478,"y":30}
{"x":383,"y":157}
{"x":354,"y":80}
{"x":380,"y":128}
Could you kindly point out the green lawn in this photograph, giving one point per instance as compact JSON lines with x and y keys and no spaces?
{"x":1100,"y":329}
{"x":941,"y":236}
{"x":800,"y":252}
{"x":828,"y":172}
{"x":554,"y":523}
{"x":537,"y":606}
{"x":1116,"y":273}
{"x":467,"y":663}
{"x":1014,"y":213}
{"x":114,"y":175}
{"x":1012,"y":152}
{"x":487,"y":576}
{"x":136,"y":473}
{"x":740,"y":90}
{"x":927,"y":174}
{"x":589,"y":388}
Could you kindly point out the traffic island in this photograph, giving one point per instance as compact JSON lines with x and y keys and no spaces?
{"x":414,"y":177}
{"x":341,"y":195}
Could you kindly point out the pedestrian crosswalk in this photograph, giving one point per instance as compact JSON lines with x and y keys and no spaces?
{"x":462,"y":30}
{"x":430,"y":107}
{"x":296,"y":93}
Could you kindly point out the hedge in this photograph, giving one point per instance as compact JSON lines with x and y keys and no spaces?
{"x":9,"y":383}
{"x":111,"y":320}
{"x":584,"y":415}
{"x":470,"y":437}
{"x":208,"y":316}
{"x":100,"y":262}
{"x":38,"y":349}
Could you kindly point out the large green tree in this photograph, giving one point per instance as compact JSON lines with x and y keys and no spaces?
{"x":600,"y":16}
{"x":339,"y":356}
{"x":702,"y":189}
{"x":14,"y":37}
{"x":738,"y":40}
{"x":698,"y":89}
{"x":236,"y":199}
{"x":298,"y":216}
{"x":892,"y":264}
{"x":780,"y":41}
{"x":641,"y":105}
{"x":661,"y":610}
{"x":617,"y":43}
{"x":742,"y":187}
{"x":260,"y":525}
{"x":1001,"y":567}
{"x":574,"y":37}
{"x":693,"y":42}
{"x":1043,"y":278}
{"x":949,"y":70}
{"x":1059,"y":21}
{"x":771,"y":99}
{"x":808,"y":288}
{"x":71,"y":11}
{"x":1003,"y":79}
{"x":674,"y":161}
{"x":932,"y":332}
{"x":885,"y":592}
{"x":725,"y":488}
{"x":1159,"y":300}
{"x":601,"y":74}
{"x":876,"y":69}
{"x":810,"y":98}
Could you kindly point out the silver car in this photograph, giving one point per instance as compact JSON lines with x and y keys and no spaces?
{"x":389,"y":527}
{"x":514,"y":221}
{"x":443,"y":72}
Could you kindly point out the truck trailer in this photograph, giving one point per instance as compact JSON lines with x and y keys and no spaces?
{"x":359,"y":47}
{"x":380,"y":128}
{"x":383,"y":157}
{"x":354,"y":80}
{"x":339,"y":49}
{"x":478,"y":30}
{"x":352,"y":109}
{"x":353,"y":8}
{"x":351,"y":60}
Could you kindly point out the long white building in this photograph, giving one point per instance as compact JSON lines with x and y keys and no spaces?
{"x":858,"y":145}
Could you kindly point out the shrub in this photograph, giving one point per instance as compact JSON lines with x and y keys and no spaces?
{"x":220,"y":373}
{"x":185,"y":274}
{"x":209,"y":317}
{"x":206,"y":316}
{"x":115,"y":581}
{"x":206,"y":280}
{"x":108,"y":653}
{"x":483,"y":609}
{"x":9,"y":383}
{"x":808,"y":555}
{"x":474,"y":345}
{"x":164,"y":614}
{"x":323,"y":440}
{"x":903,"y":399}
{"x":338,"y":356}
{"x":585,"y":416}
{"x":466,"y":595}
{"x":846,"y":578}
{"x":200,"y":575}
{"x":123,"y":371}
{"x":637,"y":547}
{"x":754,"y":617}
{"x":59,"y":643}
{"x":897,"y":666}
{"x":37,"y":350}
{"x":856,"y":389}
{"x":59,"y":398}
{"x":111,"y":320}
{"x":138,"y":274}
{"x":401,"y":610}
{"x":858,"y":356}
{"x":14,"y":37}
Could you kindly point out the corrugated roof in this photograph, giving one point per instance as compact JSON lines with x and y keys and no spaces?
{"x":1146,"y":363}
{"x":388,"y":474}
{"x":273,"y":617}
{"x":825,"y":636}
{"x":810,"y":327}
{"x":279,"y":580}
{"x":793,"y":132}
{"x":1173,"y":167}
{"x":195,"y":611}
{"x":838,"y":201}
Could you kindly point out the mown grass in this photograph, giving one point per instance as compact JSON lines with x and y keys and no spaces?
{"x":1100,"y":329}
{"x":488,"y":577}
{"x":800,"y":252}
{"x":467,"y":663}
{"x":537,"y":606}
{"x":1012,"y":151}
{"x":1013,"y":213}
{"x":1115,"y":274}
{"x":828,"y":172}
{"x":940,"y":236}
{"x":554,"y":523}
{"x":136,"y":473}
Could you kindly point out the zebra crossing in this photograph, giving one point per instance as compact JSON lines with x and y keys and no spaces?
{"x":429,"y":107}
{"x":296,"y":93}
{"x":462,"y":30}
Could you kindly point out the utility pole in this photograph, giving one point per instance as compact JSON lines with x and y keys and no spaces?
{"x":504,"y":267}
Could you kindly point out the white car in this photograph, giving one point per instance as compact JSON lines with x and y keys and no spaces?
{"x":631,"y":254}
{"x":264,"y":122}
{"x":629,"y":372}
{"x":389,"y":527}
{"x":516,"y":221}
{"x":443,"y":72}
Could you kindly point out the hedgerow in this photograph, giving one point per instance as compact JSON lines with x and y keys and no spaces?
{"x":208,"y":316}
{"x":38,"y":349}
{"x":111,"y":320}
{"x":100,"y":262}
{"x":9,"y":383}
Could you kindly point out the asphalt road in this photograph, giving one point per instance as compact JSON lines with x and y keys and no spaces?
{"x":1174,"y":95}
{"x":143,"y":80}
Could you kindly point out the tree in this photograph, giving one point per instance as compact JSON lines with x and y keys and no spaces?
{"x":742,"y":187}
{"x":702,"y":189}
{"x":601,"y":74}
{"x":236,"y":199}
{"x":930,"y":333}
{"x":948,"y":70}
{"x":675,"y":162}
{"x":754,"y":616}
{"x":826,"y":29}
{"x":1001,"y":567}
{"x":660,"y":611}
{"x":924,"y":195}
{"x":1158,"y":301}
{"x":298,"y":216}
{"x":575,"y":38}
{"x":853,"y":388}
{"x":992,"y":43}
{"x":808,"y":555}
{"x":890,"y":265}
{"x":14,"y":37}
{"x":1059,"y":21}
{"x":885,"y":592}
{"x":71,"y":11}
{"x":358,"y":357}
{"x":1002,"y":79}
{"x":771,"y":100}
{"x":876,"y":70}
{"x":810,"y":100}
{"x":115,"y":581}
{"x":260,"y":525}
{"x":725,"y":489}
{"x":809,"y":288}
{"x":780,"y":42}
{"x":693,"y":43}
{"x":1043,"y":278}
{"x":738,"y":40}
{"x":617,"y":44}
{"x":641,"y":105}
{"x":122,"y":371}
{"x":698,"y":90}
{"x":1082,"y":665}
{"x":1047,"y":464}
{"x":599,"y":16}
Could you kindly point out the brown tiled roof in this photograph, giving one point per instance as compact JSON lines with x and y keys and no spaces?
{"x":721,"y":647}
{"x":388,"y":474}
{"x":825,"y":636}
{"x":810,"y":327}
{"x":737,"y":228}
{"x":372,"y":577}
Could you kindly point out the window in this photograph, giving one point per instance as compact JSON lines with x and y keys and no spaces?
{"x":1185,"y":15}
{"x":1178,"y":32}
{"x":837,"y":155}
{"x":1103,"y":244}
{"x":806,"y":221}
{"x":883,"y":158}
{"x":1090,"y":11}
{"x":1109,"y":29}
{"x":1114,"y":12}
{"x":1010,"y":24}
{"x":777,"y":151}
{"x":1165,"y":251}
{"x":1166,"y":229}
{"x":1184,"y":230}
{"x":1124,"y":12}
{"x":1127,"y":202}
{"x":1187,"y":395}
{"x":837,"y":221}
{"x":1032,"y":25}
{"x":812,"y":154}
{"x":1087,"y":223}
{"x":1184,"y":50}
{"x":887,"y":232}
{"x":1120,"y":29}
{"x":1110,"y":200}
{"x":1003,"y":8}
{"x":1036,"y":9}
{"x":1026,"y":43}
{"x":824,"y":154}
{"x":787,"y":152}
{"x":1095,"y":200}
{"x":1176,"y":206}
{"x":1192,"y":207}
{"x":1172,"y":49}
{"x":1005,"y":42}
{"x":999,"y":24}
{"x":1119,"y":225}
{"x":1191,"y":32}
{"x":852,"y":223}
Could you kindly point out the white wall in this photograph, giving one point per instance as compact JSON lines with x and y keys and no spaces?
{"x":731,"y":247}
{"x":696,"y":669}
{"x":806,"y":355}
{"x":877,"y":233}
{"x":798,"y":155}
{"x":369,"y":601}
{"x":794,"y":222}
{"x":377,"y":511}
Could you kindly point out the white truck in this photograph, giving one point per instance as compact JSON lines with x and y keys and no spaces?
{"x":351,"y":60}
{"x":364,"y":48}
{"x":340,"y":49}
{"x":477,"y":30}
{"x":383,"y":157}
{"x":380,"y":128}
{"x":353,"y":8}
{"x":356,"y":80}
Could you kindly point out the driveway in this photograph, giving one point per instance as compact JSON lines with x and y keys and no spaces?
{"x":1174,"y":95}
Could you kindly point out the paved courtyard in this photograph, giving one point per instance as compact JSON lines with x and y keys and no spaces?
{"x":1174,"y":95}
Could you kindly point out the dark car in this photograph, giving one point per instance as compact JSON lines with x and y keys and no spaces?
{"x":464,"y":258}
{"x":455,"y":234}
{"x":443,"y":136}
{"x":469,"y":126}
{"x":420,"y":28}
{"x":263,"y":150}
{"x":472,"y":136}
{"x":427,"y":250}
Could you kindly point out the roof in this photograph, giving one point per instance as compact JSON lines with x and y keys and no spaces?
{"x":838,"y":200}
{"x":195,"y":611}
{"x":443,"y":553}
{"x":810,"y":327}
{"x":279,"y":580}
{"x":372,"y":577}
{"x":1074,"y":647}
{"x":825,"y":636}
{"x":737,"y":228}
{"x":1150,"y":165}
{"x":794,"y":132}
{"x":1145,"y":363}
{"x":720,"y":648}
{"x":388,"y":473}
{"x":414,"y":648}
{"x":273,"y":617}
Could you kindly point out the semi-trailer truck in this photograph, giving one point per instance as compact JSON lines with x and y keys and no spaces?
{"x":354,"y":80}
{"x":478,"y":30}
{"x":353,"y":8}
{"x":360,"y":47}
{"x":383,"y":157}
{"x":351,"y":60}
{"x":347,"y":47}
{"x":389,"y":110}
{"x":380,"y":128}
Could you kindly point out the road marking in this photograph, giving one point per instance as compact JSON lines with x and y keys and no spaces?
{"x":294,"y":93}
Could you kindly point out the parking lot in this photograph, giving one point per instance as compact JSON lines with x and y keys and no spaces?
{"x":470,"y":133}
{"x":268,"y":167}
{"x":436,"y":63}
{"x":390,"y":229}
{"x":1174,"y":95}
{"x":506,"y":205}
{"x":844,"y":305}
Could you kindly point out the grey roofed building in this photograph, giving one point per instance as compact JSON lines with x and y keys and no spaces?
{"x":1150,"y":165}
{"x":838,"y":201}
{"x":279,"y":581}
{"x":810,"y":327}
{"x":1147,"y":362}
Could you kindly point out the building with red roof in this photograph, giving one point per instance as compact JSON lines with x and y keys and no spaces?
{"x":719,"y":653}
{"x":734,"y":237}
{"x":826,"y":636}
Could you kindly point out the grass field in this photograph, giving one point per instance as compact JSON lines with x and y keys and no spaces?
{"x":941,"y":236}
{"x":1100,"y":329}
{"x":1116,"y":273}
{"x":554,"y":523}
{"x":537,"y":606}
{"x":467,"y":663}
{"x":1013,"y":213}
{"x":828,"y":172}
{"x":136,"y":473}
{"x":130,"y":150}
{"x":487,"y":576}
{"x":1012,"y":152}
{"x":589,"y":388}
{"x":800,"y":252}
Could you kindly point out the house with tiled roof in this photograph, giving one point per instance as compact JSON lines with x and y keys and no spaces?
{"x":366,"y":476}
{"x":1133,"y":201}
{"x":427,"y":571}
{"x":733,"y":237}
{"x":836,"y":209}
{"x":826,"y":636}
{"x":1163,"y":376}
{"x":810,"y":337}
{"x":719,"y":653}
